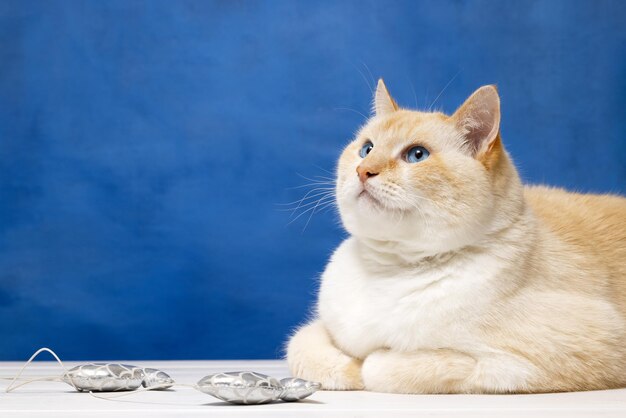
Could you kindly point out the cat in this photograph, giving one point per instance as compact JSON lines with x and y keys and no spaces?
{"x":458,"y":279}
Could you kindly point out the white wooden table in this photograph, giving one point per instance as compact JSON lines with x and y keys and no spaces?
{"x":56,"y":399}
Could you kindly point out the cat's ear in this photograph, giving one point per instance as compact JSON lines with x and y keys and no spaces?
{"x":479,"y":119}
{"x":383,"y":102}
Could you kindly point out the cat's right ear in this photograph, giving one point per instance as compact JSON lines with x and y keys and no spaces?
{"x":383,"y":102}
{"x":479,"y":119}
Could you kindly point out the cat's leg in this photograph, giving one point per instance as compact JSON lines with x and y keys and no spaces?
{"x":311,"y":355}
{"x":445,"y":371}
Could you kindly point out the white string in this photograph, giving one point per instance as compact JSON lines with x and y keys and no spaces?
{"x":36,"y":379}
{"x":13,"y":386}
{"x":143,"y":389}
{"x":114,"y":397}
{"x":23,"y":378}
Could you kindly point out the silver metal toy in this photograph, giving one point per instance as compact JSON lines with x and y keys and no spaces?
{"x":245,"y":388}
{"x":111,"y":377}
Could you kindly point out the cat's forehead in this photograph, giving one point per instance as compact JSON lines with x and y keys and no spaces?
{"x":405,"y":126}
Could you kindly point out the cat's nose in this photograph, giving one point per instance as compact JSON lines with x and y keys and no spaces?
{"x":364,"y":173}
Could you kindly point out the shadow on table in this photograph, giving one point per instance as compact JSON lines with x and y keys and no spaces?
{"x":304,"y":401}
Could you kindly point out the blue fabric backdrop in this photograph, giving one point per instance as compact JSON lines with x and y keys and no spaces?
{"x":144,"y":147}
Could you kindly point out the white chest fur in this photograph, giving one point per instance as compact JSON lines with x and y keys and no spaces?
{"x":405,"y":308}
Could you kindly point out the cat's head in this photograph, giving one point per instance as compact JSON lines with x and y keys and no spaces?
{"x":425,"y":178}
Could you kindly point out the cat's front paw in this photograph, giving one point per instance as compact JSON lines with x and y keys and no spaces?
{"x":312,"y":356}
{"x":342,"y":375}
{"x":376,"y":373}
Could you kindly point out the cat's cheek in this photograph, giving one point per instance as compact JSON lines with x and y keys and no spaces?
{"x":349,"y":221}
{"x":347,"y":196}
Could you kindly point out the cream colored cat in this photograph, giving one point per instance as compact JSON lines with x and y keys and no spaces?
{"x":456,"y":278}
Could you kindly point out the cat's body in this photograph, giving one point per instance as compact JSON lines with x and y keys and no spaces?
{"x":459,"y":279}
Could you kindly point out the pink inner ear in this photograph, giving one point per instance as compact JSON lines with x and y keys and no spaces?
{"x":479,"y":119}
{"x":480,"y":130}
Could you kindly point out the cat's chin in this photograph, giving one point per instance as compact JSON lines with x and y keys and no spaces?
{"x":368,"y":200}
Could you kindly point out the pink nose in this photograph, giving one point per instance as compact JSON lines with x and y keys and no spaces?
{"x":364,"y":173}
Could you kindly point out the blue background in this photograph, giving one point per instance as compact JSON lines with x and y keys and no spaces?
{"x":145,"y":147}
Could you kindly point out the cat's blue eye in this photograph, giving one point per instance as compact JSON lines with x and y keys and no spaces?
{"x":365,"y":149}
{"x":416,"y":154}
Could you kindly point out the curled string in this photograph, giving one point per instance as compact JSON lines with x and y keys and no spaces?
{"x":13,"y":386}
{"x":143,"y":389}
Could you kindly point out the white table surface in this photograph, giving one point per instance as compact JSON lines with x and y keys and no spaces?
{"x":56,"y":399}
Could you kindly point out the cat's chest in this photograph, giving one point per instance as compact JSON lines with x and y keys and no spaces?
{"x":406,"y":310}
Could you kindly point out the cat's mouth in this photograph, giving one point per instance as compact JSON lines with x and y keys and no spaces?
{"x":369,"y":197}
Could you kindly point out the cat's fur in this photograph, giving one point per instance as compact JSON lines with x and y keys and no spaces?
{"x":456,"y":278}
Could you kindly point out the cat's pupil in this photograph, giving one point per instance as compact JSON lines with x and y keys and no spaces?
{"x":418,"y":153}
{"x":368,"y":149}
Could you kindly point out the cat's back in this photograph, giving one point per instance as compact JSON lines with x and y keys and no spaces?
{"x":582,"y":219}
{"x":593,"y":226}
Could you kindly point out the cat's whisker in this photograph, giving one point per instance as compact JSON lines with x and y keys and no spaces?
{"x":308,"y":204}
{"x":315,"y":192}
{"x":367,"y":68}
{"x":318,"y":177}
{"x":313,"y":212}
{"x":304,"y":205}
{"x":308,"y":195}
{"x":323,"y":169}
{"x":319,"y":183}
{"x":321,"y":196}
{"x":325,"y":178}
{"x":442,"y":90}
{"x":351,"y":110}
{"x":327,"y":206}
{"x":308,"y":210}
{"x":371,"y":89}
{"x":316,"y":180}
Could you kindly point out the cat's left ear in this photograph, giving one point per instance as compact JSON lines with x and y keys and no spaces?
{"x":479,"y":119}
{"x":383,"y":102}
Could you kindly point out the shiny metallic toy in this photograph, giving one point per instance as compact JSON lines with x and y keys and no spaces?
{"x":156,"y":379}
{"x":111,"y":377}
{"x":296,"y":389}
{"x":246,"y":388}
